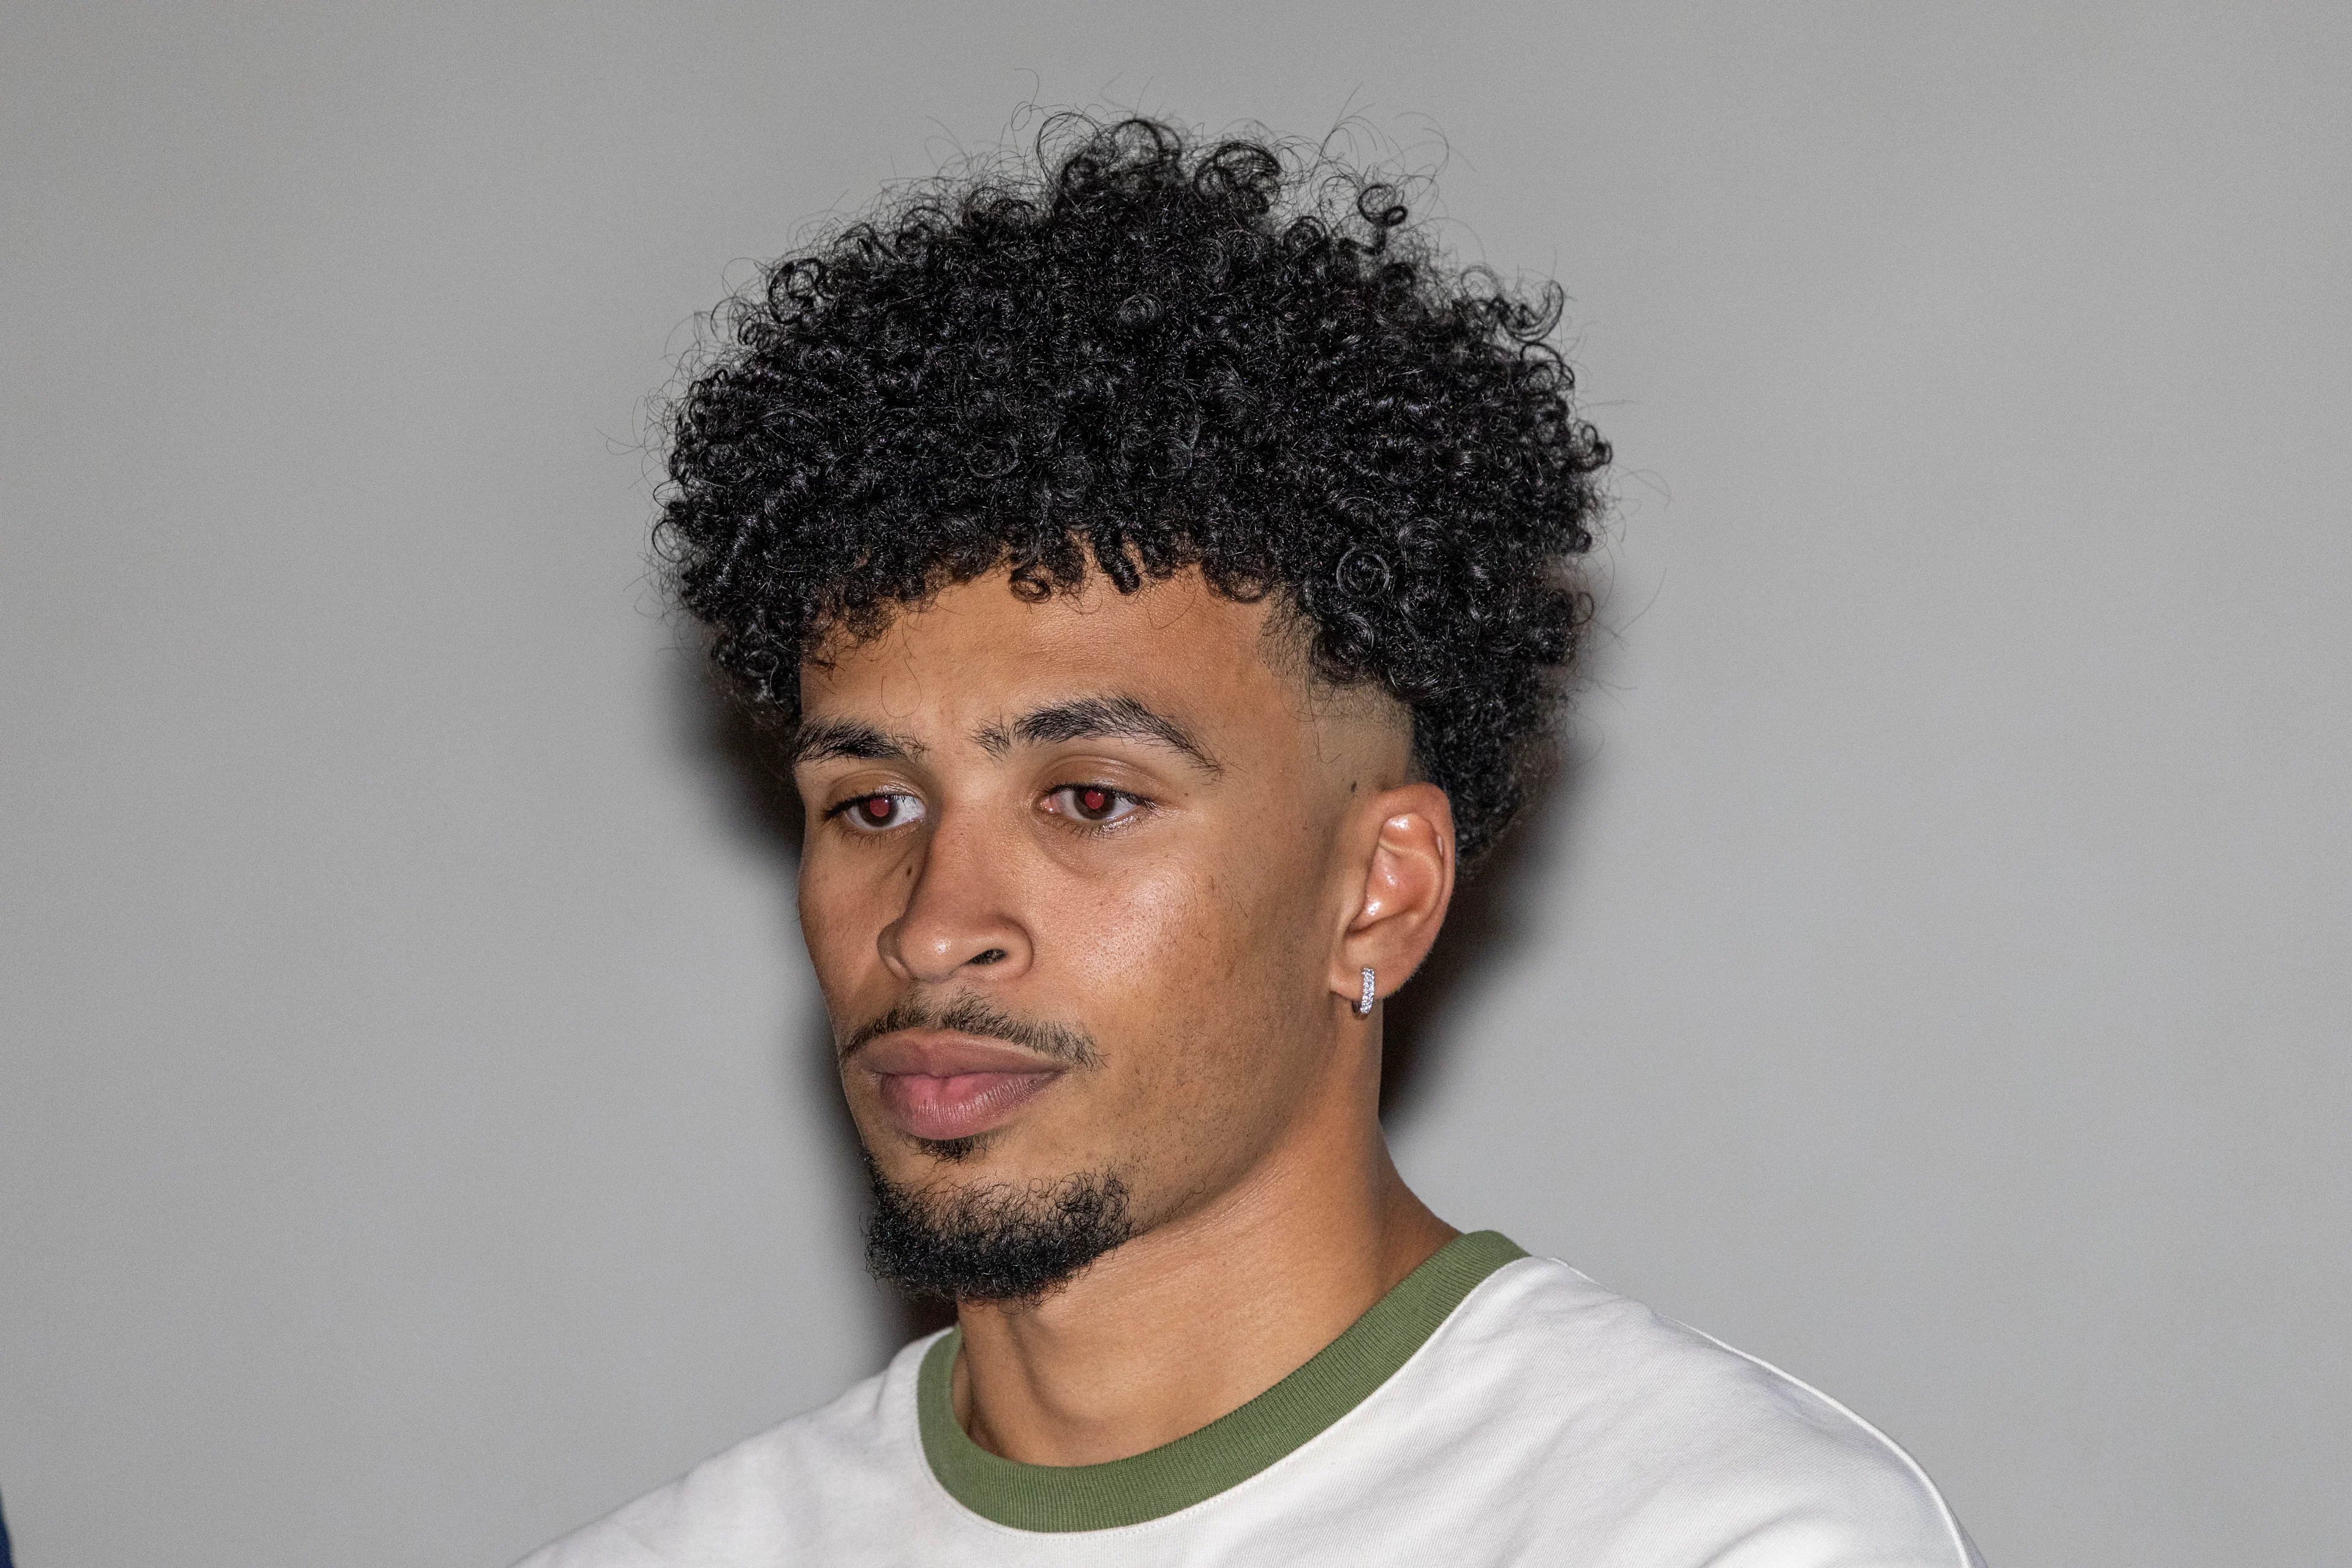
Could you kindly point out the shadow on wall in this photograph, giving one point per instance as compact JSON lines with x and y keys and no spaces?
{"x":1487,"y":922}
{"x":1484,"y":925}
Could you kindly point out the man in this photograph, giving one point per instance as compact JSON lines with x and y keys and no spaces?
{"x":1162,"y":565}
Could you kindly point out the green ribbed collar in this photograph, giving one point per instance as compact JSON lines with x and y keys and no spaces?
{"x":1228,"y":1450}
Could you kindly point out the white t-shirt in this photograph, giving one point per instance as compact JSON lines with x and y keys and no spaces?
{"x":1493,"y":1408}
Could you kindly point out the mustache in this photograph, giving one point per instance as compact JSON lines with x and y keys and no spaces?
{"x":971,"y":1016}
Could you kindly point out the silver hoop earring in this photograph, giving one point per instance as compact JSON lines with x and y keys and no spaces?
{"x":1371,"y":984}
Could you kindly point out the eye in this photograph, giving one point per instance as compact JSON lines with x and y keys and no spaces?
{"x":878,"y":812}
{"x":1096,"y":806}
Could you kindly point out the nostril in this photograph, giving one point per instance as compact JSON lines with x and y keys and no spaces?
{"x":993,"y":955}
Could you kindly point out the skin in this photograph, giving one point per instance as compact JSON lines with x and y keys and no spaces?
{"x":1202,"y":946}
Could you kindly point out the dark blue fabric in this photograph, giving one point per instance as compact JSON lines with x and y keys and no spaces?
{"x":6,"y":1559}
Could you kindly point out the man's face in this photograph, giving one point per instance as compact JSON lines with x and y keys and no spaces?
{"x":1074,"y":883}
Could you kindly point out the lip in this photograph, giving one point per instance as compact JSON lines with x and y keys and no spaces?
{"x":939,"y":1086}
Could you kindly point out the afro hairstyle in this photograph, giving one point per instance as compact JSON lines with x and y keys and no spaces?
{"x":1137,"y":352}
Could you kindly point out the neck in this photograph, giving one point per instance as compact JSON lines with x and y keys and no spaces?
{"x":1199,"y":1315}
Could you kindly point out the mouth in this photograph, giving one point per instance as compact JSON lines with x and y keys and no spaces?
{"x":939,"y":1086}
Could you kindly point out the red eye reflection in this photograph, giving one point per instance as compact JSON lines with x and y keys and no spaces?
{"x":1095,"y":805}
{"x":874,"y":812}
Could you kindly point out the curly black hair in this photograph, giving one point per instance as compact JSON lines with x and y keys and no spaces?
{"x":1140,"y":352}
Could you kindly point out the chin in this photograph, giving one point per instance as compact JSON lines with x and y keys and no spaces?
{"x":1002,"y":1240}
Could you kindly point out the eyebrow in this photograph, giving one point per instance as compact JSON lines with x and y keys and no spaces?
{"x":1097,"y":718}
{"x":822,"y":739}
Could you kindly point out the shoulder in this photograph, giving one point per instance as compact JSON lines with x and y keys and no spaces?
{"x":734,"y":1507}
{"x":1680,"y":1449}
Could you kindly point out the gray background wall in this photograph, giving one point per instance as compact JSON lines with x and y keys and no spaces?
{"x":1933,"y":979}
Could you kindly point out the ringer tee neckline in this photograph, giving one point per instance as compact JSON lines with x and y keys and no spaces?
{"x":1228,"y":1450}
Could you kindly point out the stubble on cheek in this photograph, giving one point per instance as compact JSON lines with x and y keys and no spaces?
{"x":1213,"y":1036}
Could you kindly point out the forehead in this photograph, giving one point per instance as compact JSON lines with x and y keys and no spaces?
{"x":979,"y":650}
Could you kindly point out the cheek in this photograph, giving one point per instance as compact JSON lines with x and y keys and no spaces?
{"x":1183,"y":944}
{"x":1123,"y":942}
{"x":840,"y":916}
{"x":1201,"y":988}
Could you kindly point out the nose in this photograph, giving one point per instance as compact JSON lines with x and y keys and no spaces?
{"x":957,"y":924}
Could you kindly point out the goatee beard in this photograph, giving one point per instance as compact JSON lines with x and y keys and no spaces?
{"x":996,"y":1243}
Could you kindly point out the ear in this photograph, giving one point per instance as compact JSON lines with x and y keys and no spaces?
{"x":1408,"y":883}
